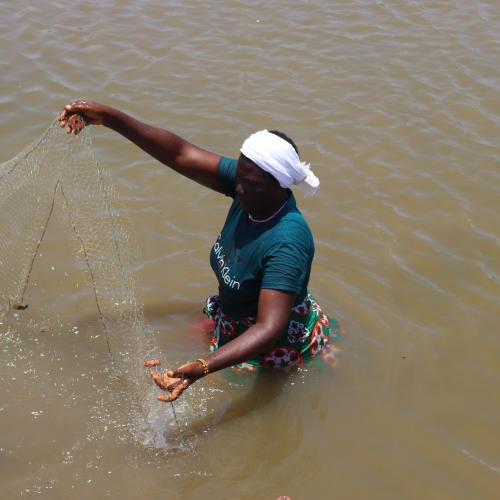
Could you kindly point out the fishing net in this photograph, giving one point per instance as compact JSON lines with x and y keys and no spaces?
{"x":58,"y":180}
{"x":58,"y":176}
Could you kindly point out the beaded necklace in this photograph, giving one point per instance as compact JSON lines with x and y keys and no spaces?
{"x":269,"y":218}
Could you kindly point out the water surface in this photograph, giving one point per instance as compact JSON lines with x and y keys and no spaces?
{"x":395,"y":104}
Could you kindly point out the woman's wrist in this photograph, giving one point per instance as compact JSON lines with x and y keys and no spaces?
{"x":111,"y":117}
{"x":204,"y":363}
{"x":194,"y":369}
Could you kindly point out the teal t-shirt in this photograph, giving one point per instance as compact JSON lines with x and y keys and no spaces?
{"x":247,"y":256}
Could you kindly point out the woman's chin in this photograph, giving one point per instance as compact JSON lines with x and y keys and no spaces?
{"x":244,"y":206}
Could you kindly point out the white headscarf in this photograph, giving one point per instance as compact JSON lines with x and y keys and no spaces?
{"x":278,"y":157}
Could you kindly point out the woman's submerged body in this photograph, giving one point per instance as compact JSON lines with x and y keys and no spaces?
{"x":263,"y":315}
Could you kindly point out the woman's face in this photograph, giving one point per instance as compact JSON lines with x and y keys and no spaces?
{"x":256,"y":188}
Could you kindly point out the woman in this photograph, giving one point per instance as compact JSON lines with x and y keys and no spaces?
{"x":263,"y":315}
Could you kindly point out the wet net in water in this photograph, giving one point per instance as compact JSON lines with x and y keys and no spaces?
{"x":59,"y":176}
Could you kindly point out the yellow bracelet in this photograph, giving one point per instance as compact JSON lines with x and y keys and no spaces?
{"x":204,"y":363}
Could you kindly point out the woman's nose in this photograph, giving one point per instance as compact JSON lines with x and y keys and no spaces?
{"x":239,"y":188}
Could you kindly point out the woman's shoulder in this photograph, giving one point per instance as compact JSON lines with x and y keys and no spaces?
{"x":226,"y":173}
{"x":292,"y":229}
{"x":293,"y":221}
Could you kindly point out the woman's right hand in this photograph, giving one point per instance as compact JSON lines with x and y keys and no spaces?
{"x":176,"y":381}
{"x":92,"y":113}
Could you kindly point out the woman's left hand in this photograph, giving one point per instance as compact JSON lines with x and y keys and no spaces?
{"x":177,"y":381}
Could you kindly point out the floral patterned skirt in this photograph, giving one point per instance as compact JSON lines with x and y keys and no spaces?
{"x":310,"y":334}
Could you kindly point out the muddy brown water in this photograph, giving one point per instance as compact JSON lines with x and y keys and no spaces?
{"x":395,"y":104}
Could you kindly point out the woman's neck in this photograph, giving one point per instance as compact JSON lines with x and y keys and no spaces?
{"x":271,"y":210}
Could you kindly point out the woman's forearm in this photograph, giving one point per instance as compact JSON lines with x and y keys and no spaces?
{"x":250,"y":344}
{"x":254,"y":341}
{"x":163,"y":145}
{"x":168,"y":148}
{"x":273,"y":314}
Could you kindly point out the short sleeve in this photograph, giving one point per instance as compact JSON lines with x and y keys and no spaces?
{"x":226,"y":174}
{"x":287,"y":266}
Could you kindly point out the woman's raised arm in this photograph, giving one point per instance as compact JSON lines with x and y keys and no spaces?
{"x":168,"y":148}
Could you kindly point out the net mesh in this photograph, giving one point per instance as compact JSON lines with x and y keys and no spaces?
{"x":59,"y":176}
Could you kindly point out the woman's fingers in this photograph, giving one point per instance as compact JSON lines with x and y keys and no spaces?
{"x":67,"y":111}
{"x":158,"y":379}
{"x":72,"y":120}
{"x":175,"y":385}
{"x":152,"y":362}
{"x":175,"y":391}
{"x":75,"y":106}
{"x":165,"y":398}
{"x":90,"y":113}
{"x":174,"y":381}
{"x":76,"y":123}
{"x":163,"y":381}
